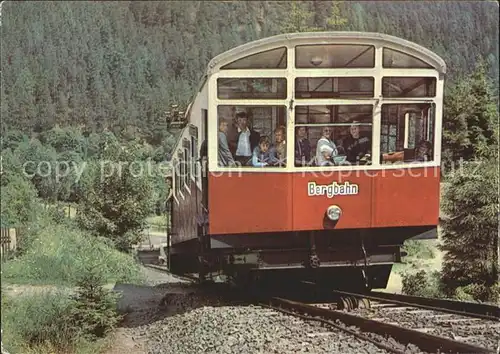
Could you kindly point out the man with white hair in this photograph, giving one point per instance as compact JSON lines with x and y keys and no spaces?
{"x":355,"y":145}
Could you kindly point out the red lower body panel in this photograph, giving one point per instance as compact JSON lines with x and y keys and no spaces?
{"x":273,"y":202}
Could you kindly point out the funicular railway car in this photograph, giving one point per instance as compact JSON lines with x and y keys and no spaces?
{"x":312,"y":154}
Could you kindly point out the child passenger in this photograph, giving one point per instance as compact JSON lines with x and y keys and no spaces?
{"x":262,"y":155}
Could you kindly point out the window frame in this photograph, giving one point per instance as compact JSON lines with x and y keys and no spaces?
{"x":177,"y":182}
{"x":352,"y":44}
{"x":335,"y":85}
{"x":291,"y":102}
{"x":343,"y":124}
{"x":430,"y":131}
{"x":186,"y":147}
{"x":433,"y":81}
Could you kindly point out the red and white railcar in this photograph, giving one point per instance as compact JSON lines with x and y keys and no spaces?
{"x":377,"y":99}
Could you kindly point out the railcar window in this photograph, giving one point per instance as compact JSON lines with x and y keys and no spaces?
{"x":335,"y":56}
{"x":396,"y":59}
{"x":248,"y":88}
{"x":177,"y":173}
{"x":188,"y":162}
{"x":409,"y":86}
{"x":334,"y":87}
{"x":251,"y":136}
{"x":270,"y":59}
{"x":333,"y":135}
{"x":182,"y":169}
{"x":407,"y":133}
{"x":194,"y":156}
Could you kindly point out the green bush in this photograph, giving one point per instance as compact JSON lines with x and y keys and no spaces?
{"x":58,"y":321}
{"x":59,"y":254}
{"x":38,"y":319}
{"x":476,"y":292}
{"x":95,"y":309}
{"x":420,"y":249}
{"x":422,"y":283}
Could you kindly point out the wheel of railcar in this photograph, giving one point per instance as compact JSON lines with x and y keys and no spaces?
{"x":344,"y":303}
{"x":365,"y":303}
{"x":354,"y":302}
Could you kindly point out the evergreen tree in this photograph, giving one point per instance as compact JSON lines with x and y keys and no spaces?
{"x":470,"y":116}
{"x":336,"y":22}
{"x":470,"y":203}
{"x":470,"y":231}
{"x":299,"y":19}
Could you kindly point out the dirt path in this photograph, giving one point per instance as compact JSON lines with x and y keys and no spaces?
{"x":125,"y":343}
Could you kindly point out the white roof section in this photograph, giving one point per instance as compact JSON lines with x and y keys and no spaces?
{"x":357,"y":38}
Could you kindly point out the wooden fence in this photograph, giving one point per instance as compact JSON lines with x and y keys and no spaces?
{"x":9,"y":238}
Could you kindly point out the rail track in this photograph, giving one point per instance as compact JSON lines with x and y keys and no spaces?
{"x":399,"y":337}
{"x":395,"y":323}
{"x":476,"y":310}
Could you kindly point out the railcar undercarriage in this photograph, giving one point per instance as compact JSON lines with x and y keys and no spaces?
{"x":348,"y":259}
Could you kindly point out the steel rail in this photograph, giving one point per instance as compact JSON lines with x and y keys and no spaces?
{"x":483,"y":311}
{"x":332,"y":324}
{"x":424,"y":341}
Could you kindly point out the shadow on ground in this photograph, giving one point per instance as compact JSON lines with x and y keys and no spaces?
{"x":142,"y":304}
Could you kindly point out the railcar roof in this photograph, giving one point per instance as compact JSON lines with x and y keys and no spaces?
{"x":323,"y":38}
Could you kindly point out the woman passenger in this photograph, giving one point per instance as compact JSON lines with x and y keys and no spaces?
{"x":279,"y":150}
{"x":325,"y":140}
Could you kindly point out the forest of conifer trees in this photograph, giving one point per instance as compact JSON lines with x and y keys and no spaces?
{"x":119,"y":65}
{"x":84,"y":83}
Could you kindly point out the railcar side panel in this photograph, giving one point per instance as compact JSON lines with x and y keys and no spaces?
{"x":184,"y":226}
{"x":275,"y":202}
{"x":250,"y":202}
{"x":407,"y":197}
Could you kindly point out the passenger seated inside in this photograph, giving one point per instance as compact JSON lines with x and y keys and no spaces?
{"x":357,"y":148}
{"x":279,"y":150}
{"x":327,"y":155}
{"x":262,"y":155}
{"x":325,"y":140}
{"x":423,"y":152}
{"x":302,"y":147}
{"x":224,"y":154}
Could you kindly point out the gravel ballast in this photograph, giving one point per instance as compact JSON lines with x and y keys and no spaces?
{"x":168,"y":316}
{"x":249,"y":329}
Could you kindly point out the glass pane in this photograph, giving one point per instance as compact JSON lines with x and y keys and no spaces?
{"x":395,"y":59}
{"x":419,"y":119}
{"x":333,"y":135}
{"x":335,"y":56}
{"x":409,"y":86}
{"x":334,"y":87}
{"x":271,"y":59}
{"x":253,"y":136}
{"x":178,"y":173}
{"x":341,"y":114}
{"x":251,"y":88}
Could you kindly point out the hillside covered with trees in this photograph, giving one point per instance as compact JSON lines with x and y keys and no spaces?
{"x":119,"y":65}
